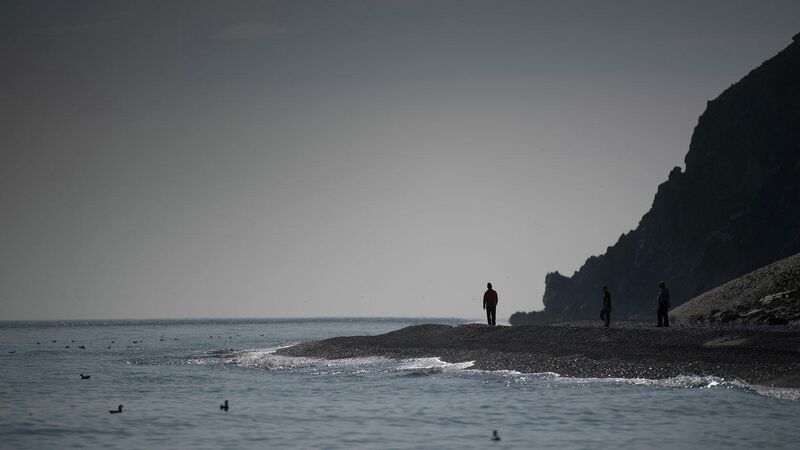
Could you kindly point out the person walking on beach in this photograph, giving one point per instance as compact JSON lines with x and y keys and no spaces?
{"x":605,"y":313}
{"x":490,"y":304}
{"x":663,"y":305}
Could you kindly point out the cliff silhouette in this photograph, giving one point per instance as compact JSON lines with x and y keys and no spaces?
{"x":734,"y":209}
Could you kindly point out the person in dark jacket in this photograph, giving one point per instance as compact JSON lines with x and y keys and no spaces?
{"x":605,"y":313}
{"x":490,"y":303}
{"x":663,"y":305}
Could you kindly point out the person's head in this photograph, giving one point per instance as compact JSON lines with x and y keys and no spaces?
{"x":661,"y":284}
{"x":605,"y":288}
{"x":488,"y":285}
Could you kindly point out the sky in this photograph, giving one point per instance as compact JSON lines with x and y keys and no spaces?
{"x":289,"y":158}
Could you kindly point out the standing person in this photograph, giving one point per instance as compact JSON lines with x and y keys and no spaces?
{"x":605,"y":313}
{"x":663,"y":305}
{"x":490,"y":304}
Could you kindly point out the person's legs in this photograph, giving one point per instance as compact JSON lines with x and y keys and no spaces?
{"x":489,"y":315}
{"x":661,"y":316}
{"x":666,"y":317}
{"x":608,"y":318}
{"x":494,"y":316}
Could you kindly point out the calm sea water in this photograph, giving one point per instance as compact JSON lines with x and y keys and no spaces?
{"x":171,"y":377}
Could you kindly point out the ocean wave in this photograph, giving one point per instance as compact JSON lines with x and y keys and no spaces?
{"x":432,"y":365}
{"x":269,"y":360}
{"x":777,"y":392}
{"x":677,"y":382}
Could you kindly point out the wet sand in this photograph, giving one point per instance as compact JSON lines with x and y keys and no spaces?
{"x":768,"y":356}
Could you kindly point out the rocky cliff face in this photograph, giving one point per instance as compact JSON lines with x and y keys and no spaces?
{"x":736,"y":207}
{"x":767,"y":296}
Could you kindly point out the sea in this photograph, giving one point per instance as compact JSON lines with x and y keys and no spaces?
{"x":171,"y":376}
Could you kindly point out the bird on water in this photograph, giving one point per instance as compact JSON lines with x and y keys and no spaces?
{"x":224,"y":407}
{"x":85,"y":377}
{"x":115,"y":411}
{"x":495,"y":436}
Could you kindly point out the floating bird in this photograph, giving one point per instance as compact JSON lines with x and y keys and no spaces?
{"x":53,"y":340}
{"x":85,"y":377}
{"x":82,"y":346}
{"x":495,"y":436}
{"x":109,"y":346}
{"x":162,"y":339}
{"x":113,"y":342}
{"x":37,"y":342}
{"x":67,"y":346}
{"x":135,"y":342}
{"x":176,"y":339}
{"x":224,"y":407}
{"x":116,"y":411}
{"x":13,"y":351}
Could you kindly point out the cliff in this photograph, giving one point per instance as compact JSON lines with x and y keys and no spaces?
{"x":734,"y":209}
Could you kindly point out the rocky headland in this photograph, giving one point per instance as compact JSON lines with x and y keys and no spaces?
{"x":757,"y":355}
{"x":735,"y":208}
{"x":767,"y":296}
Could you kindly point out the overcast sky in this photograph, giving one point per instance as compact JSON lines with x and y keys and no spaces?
{"x":341,"y":158}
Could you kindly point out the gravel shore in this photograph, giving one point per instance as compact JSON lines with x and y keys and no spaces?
{"x":768,"y":356}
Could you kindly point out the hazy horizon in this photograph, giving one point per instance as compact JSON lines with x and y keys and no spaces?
{"x":374,"y":158}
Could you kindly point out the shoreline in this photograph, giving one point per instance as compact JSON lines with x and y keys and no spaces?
{"x":764,"y":356}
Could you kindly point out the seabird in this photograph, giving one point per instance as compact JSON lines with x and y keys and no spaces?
{"x":82,"y":346}
{"x":495,"y":436}
{"x":224,"y":407}
{"x":13,"y":351}
{"x":85,"y":377}
{"x":116,"y":411}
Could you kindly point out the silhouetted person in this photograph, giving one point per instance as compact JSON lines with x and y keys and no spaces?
{"x":605,"y":313}
{"x":490,"y":304}
{"x":663,"y":305}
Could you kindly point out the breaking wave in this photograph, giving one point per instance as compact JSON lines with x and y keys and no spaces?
{"x":268,"y":359}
